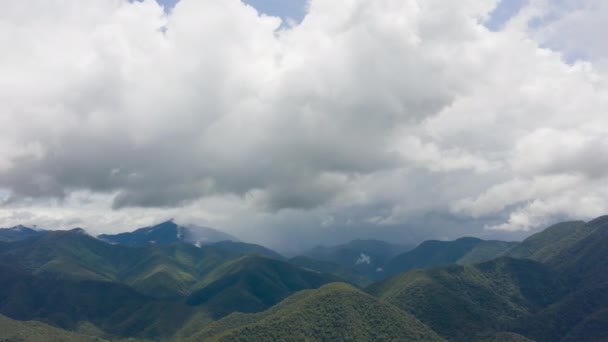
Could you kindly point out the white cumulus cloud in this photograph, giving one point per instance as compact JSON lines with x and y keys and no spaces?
{"x":376,"y":114}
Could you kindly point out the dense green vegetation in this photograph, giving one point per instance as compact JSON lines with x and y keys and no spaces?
{"x":136,"y":291}
{"x":335,"y":312}
{"x":485,"y":251}
{"x":159,"y":271}
{"x":254,"y":283}
{"x":31,"y":331}
{"x":432,"y":253}
{"x":115,"y":309}
{"x":583,"y":261}
{"x":562,"y":298}
{"x":70,"y":286}
{"x":586,"y":260}
{"x":550,"y":242}
{"x":462,"y":302}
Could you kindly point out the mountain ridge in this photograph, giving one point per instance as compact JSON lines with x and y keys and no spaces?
{"x":166,"y":233}
{"x":432,"y":253}
{"x":19,"y":232}
{"x":550,"y":287}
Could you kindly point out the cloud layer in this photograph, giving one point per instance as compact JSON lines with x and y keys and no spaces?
{"x":393,"y":115}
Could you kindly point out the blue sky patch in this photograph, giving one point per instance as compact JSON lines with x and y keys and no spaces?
{"x":505,"y":10}
{"x":287,"y":9}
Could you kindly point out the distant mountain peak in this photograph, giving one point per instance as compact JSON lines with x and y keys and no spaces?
{"x":168,"y":223}
{"x":469,"y":239}
{"x":79,"y":230}
{"x":168,"y":232}
{"x":19,"y":232}
{"x":20,"y":228}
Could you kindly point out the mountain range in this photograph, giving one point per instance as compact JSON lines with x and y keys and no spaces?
{"x":161,"y":283}
{"x":367,"y":258}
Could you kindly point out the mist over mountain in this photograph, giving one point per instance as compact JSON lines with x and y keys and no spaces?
{"x":167,"y":233}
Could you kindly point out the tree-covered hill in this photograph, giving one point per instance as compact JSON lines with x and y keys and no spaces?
{"x":115,"y":309}
{"x":462,"y":303}
{"x":335,"y":312}
{"x":553,"y":286}
{"x":32,"y":331}
{"x":555,"y":290}
{"x":254,"y":283}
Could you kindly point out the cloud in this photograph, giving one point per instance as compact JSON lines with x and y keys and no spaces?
{"x":212,"y":99}
{"x":572,"y":27}
{"x":366,"y":116}
{"x":363,"y":259}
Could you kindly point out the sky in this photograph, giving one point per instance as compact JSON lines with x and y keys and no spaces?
{"x":290,"y":11}
{"x":292,"y":123}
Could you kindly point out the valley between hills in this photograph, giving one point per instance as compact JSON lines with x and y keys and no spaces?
{"x":176,"y":283}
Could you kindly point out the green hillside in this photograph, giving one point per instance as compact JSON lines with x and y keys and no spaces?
{"x":242,"y":248}
{"x":172,"y":271}
{"x":586,"y":260}
{"x":463,"y":251}
{"x":335,"y":312}
{"x":140,"y":291}
{"x":254,"y":283}
{"x":464,"y":302}
{"x":159,"y":271}
{"x":485,"y":251}
{"x":32,"y":331}
{"x":432,"y":253}
{"x":113,"y":308}
{"x":555,"y":290}
{"x":581,"y":315}
{"x":550,"y":242}
{"x":564,"y":298}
